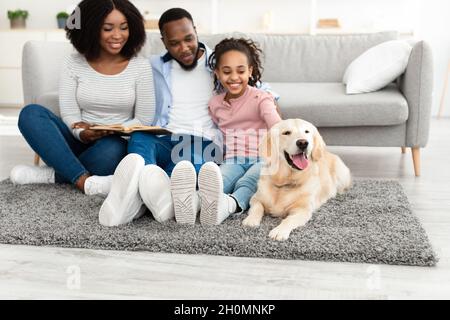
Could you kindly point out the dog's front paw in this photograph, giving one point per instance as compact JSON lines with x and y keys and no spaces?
{"x":280,"y":233}
{"x":251,"y":221}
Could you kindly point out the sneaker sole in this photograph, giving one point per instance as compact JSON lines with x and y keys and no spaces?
{"x":211,"y":187}
{"x":183,"y":185}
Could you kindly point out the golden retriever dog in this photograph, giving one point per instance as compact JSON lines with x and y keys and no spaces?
{"x":298,"y":176}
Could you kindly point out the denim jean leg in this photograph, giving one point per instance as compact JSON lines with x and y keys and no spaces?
{"x":188,"y":148}
{"x":202,"y":152}
{"x":50,"y":138}
{"x":231,"y":173}
{"x":103,"y":156}
{"x":154,"y":149}
{"x":246,"y":186}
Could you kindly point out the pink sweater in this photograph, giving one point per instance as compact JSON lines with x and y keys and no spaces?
{"x":244,"y":120}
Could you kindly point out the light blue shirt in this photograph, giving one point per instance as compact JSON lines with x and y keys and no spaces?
{"x":162,"y":67}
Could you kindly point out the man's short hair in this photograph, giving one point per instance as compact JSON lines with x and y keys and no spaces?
{"x":86,"y":40}
{"x":172,"y":15}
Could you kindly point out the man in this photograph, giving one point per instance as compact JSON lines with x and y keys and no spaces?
{"x":183,"y":87}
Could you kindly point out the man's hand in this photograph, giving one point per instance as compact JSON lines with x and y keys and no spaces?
{"x":87,"y":135}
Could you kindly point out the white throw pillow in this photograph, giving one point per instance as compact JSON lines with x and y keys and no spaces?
{"x":377,"y":67}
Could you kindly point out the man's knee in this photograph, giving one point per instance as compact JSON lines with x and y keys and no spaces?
{"x":141,"y":142}
{"x":142,"y":137}
{"x":113,"y":146}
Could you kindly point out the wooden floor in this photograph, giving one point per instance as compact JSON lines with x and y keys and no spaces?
{"x":48,"y":272}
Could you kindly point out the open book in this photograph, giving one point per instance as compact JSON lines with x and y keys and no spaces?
{"x":127,"y":130}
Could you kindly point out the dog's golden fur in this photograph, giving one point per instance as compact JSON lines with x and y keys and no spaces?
{"x":286,"y":191}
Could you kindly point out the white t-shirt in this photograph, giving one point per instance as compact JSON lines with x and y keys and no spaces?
{"x":191,"y":91}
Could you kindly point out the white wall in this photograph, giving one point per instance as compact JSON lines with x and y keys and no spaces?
{"x":370,"y":14}
{"x":428,"y":18}
{"x":42,"y":13}
{"x":434,"y":27}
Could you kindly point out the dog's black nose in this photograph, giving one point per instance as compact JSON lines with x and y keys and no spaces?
{"x":302,"y":144}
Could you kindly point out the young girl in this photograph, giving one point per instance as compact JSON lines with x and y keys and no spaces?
{"x":243,"y":113}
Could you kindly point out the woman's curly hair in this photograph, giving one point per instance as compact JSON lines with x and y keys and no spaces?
{"x":247,"y":47}
{"x":93,"y":13}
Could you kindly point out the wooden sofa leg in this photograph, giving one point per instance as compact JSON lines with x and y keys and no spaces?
{"x":36,"y":159}
{"x":416,"y":160}
{"x":403,"y":149}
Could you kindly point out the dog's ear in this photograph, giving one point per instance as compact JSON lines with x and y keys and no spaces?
{"x":319,"y":146}
{"x":265,"y":147}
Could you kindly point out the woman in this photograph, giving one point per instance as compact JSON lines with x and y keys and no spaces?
{"x":104,"y":82}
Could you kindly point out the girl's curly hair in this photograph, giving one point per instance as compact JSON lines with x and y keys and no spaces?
{"x":247,"y":47}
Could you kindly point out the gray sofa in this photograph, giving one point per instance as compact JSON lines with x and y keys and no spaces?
{"x":307,"y":73}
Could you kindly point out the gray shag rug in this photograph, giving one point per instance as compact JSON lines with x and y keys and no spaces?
{"x":371,"y":223}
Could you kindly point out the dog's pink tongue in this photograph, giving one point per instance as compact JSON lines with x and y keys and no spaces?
{"x":300,"y":161}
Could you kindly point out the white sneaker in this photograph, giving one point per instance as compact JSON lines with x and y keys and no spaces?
{"x":154,"y":187}
{"x":123,"y":203}
{"x":98,"y":185}
{"x":23,"y":174}
{"x":186,"y":201}
{"x":216,"y":206}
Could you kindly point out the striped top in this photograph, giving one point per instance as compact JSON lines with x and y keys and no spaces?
{"x":125,"y":98}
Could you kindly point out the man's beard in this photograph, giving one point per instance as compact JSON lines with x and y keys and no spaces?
{"x":193,"y":64}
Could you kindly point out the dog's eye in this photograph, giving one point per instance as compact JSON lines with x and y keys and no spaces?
{"x":306,"y":131}
{"x":286,"y":133}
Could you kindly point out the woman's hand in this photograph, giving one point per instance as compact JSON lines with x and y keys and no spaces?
{"x":87,"y":135}
{"x":81,"y":125}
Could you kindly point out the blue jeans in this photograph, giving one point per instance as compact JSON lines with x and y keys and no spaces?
{"x":50,"y":138}
{"x":240,"y":179}
{"x":167,"y":151}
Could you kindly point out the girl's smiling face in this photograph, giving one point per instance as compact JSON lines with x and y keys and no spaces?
{"x":233,"y":72}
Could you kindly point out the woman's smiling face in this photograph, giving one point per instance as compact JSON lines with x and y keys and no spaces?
{"x":114,"y":33}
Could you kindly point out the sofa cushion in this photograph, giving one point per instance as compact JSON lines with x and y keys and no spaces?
{"x":320,"y":58}
{"x":377,"y":67}
{"x":327,"y":105}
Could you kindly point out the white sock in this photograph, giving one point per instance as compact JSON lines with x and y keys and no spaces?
{"x":232,"y":204}
{"x":24,"y":174}
{"x":98,"y":185}
{"x":226,"y":207}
